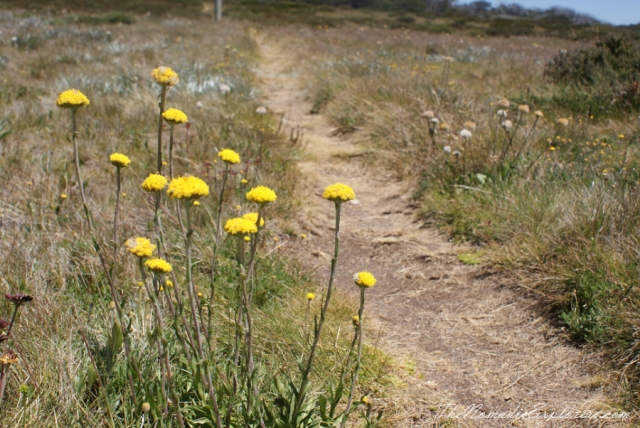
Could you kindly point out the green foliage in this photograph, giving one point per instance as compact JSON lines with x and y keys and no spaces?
{"x":607,"y":74}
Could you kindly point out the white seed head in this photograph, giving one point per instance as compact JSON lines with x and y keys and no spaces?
{"x":465,"y":133}
{"x":261,"y":110}
{"x":507,"y":124}
{"x":199,"y":105}
{"x":502,"y":113}
{"x":225,"y":89}
{"x":447,"y":149}
{"x":429,"y":114}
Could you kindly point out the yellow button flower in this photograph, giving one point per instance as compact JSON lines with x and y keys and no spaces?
{"x":310,"y":296}
{"x":119,"y":160}
{"x":158,"y":265}
{"x":240,"y":226}
{"x":141,"y":247}
{"x":188,"y":187}
{"x":261,"y":195}
{"x":229,"y":156}
{"x":174,"y":116}
{"x":364,"y":279}
{"x":165,"y":76}
{"x":339,"y":192}
{"x":154,"y":183}
{"x":254,"y":218}
{"x":72,"y":99}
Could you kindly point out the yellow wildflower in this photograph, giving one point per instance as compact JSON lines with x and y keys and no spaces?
{"x":119,"y":160}
{"x":169,"y":283}
{"x":158,"y":265}
{"x":364,"y":279}
{"x":365,"y":400}
{"x":254,"y":218}
{"x":261,"y":195}
{"x":339,"y":192}
{"x":141,"y":247}
{"x":140,"y":284}
{"x":246,"y":238}
{"x":229,"y":156}
{"x":145,"y":407}
{"x":9,"y":358}
{"x":196,"y":203}
{"x":63,"y":196}
{"x":310,"y":296}
{"x":621,"y":136}
{"x":244,"y":181}
{"x":240,"y":226}
{"x":154,"y":183}
{"x":72,"y":99}
{"x":355,"y":320}
{"x":303,"y":236}
{"x":165,"y":76}
{"x":174,"y":116}
{"x":188,"y":187}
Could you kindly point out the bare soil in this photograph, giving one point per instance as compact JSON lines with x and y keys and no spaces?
{"x":461,"y":335}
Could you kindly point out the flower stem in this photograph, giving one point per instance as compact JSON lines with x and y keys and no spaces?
{"x":305,"y":374}
{"x":163,"y":96}
{"x":115,"y":222}
{"x":171,"y":152}
{"x":358,"y":357}
{"x":194,"y":315}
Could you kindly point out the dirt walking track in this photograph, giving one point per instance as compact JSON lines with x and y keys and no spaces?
{"x":465,"y":337}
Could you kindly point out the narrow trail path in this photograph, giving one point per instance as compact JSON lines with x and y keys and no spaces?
{"x":471,"y":337}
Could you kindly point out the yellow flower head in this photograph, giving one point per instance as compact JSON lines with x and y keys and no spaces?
{"x":244,"y":181}
{"x":154,"y":183}
{"x":63,"y":196}
{"x":310,"y":296}
{"x":72,"y":99}
{"x":174,"y":116}
{"x":141,"y":247}
{"x":339,"y":192}
{"x":254,"y":218}
{"x":158,"y":265}
{"x":365,"y":400}
{"x":445,"y":127}
{"x":240,"y":226}
{"x":165,"y":76}
{"x":188,"y":187}
{"x":246,"y":238}
{"x":261,"y":195}
{"x":229,"y":156}
{"x":355,"y":320}
{"x":196,"y":203}
{"x":119,"y":160}
{"x":364,"y":279}
{"x":140,"y":284}
{"x":169,"y":283}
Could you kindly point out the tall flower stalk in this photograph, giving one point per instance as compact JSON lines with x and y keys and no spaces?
{"x":173,"y":117}
{"x":337,"y":193}
{"x":166,"y":78}
{"x":363,"y":280}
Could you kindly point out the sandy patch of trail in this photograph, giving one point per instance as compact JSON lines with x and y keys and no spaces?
{"x":472,"y":337}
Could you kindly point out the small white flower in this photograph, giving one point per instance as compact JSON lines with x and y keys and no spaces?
{"x":447,"y":149}
{"x":507,"y":124}
{"x":199,"y":104}
{"x":225,"y":89}
{"x":465,"y":133}
{"x":261,"y":110}
{"x":502,"y":113}
{"x":435,"y":120}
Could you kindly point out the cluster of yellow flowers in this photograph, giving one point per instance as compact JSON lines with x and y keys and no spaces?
{"x":141,"y":247}
{"x":174,"y":116}
{"x":154,"y":183}
{"x":158,"y":265}
{"x":119,"y":160}
{"x":339,"y":192}
{"x":187,"y":187}
{"x":254,"y":218}
{"x":261,"y":195}
{"x":72,"y":99}
{"x":165,"y":76}
{"x":229,"y":156}
{"x":240,"y":226}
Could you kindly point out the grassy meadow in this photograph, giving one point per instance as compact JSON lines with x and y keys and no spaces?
{"x":108,"y":340}
{"x":525,"y":146}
